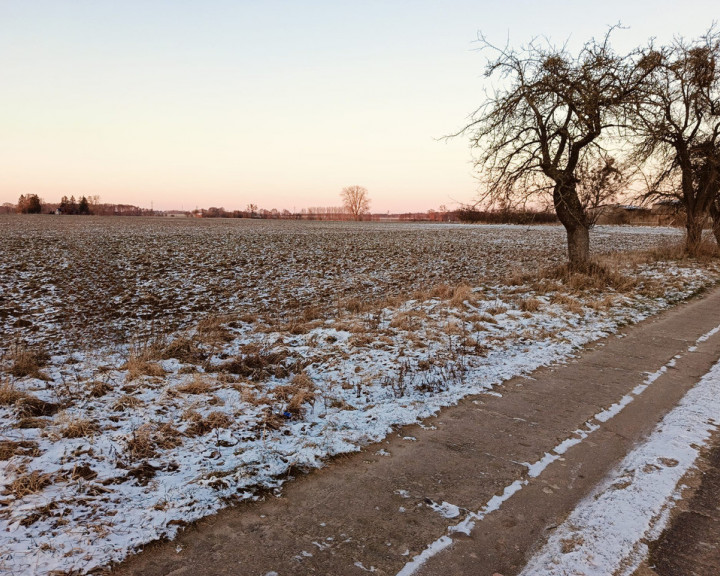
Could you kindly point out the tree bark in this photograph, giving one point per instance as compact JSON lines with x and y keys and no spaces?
{"x":694,"y":225}
{"x":570,"y":212}
{"x":715,"y":215}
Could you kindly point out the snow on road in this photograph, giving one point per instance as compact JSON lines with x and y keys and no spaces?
{"x":607,"y":532}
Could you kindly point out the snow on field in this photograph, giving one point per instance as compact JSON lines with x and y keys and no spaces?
{"x":108,"y":444}
{"x":608,"y":531}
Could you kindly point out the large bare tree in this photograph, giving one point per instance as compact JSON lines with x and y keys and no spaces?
{"x":539,"y":129}
{"x":677,"y":127}
{"x":355,"y":201}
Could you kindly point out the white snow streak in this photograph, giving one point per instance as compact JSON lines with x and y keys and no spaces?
{"x":604,"y":532}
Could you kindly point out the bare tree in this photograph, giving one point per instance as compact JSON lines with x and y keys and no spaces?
{"x":600,"y":183}
{"x":677,"y":130}
{"x":543,"y":122}
{"x":355,"y":201}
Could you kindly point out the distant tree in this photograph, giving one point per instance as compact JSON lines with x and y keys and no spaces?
{"x":84,"y":206}
{"x":677,"y":129}
{"x":542,"y":123}
{"x":252,"y":208}
{"x":355,"y":201}
{"x":29,"y":204}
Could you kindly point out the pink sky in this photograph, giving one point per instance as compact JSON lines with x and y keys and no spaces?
{"x":178,"y":104}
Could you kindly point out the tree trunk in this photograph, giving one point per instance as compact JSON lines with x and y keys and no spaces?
{"x":571,"y":214}
{"x":715,"y":215}
{"x":694,"y":225}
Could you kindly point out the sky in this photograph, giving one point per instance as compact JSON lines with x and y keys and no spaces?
{"x":175,"y":104}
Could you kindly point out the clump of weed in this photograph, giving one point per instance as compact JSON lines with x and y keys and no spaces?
{"x":141,"y":445}
{"x":27,"y":361}
{"x":461,"y":294}
{"x":137,"y":367}
{"x":183,"y":349}
{"x":79,"y":428}
{"x":212,"y":330}
{"x":299,"y":392}
{"x":197,"y":385}
{"x":530,"y":304}
{"x":98,"y":389}
{"x":126,"y":401}
{"x":10,"y":448}
{"x":257,"y":364}
{"x":26,"y":484}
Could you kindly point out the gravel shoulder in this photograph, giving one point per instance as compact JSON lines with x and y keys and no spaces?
{"x":490,"y":464}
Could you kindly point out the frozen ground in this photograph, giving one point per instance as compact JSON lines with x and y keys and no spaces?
{"x":108,"y":446}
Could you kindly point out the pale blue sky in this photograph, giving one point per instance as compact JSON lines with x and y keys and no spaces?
{"x":221,"y":103}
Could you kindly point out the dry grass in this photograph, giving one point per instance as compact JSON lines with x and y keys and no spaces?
{"x":138,"y":366}
{"x":28,"y":361}
{"x":9,"y":448}
{"x":530,"y":304}
{"x":184,"y":349}
{"x":79,"y":428}
{"x":198,"y":385}
{"x":141,"y":444}
{"x":98,"y":389}
{"x":212,"y":330}
{"x":167,"y":436}
{"x":126,"y":401}
{"x":461,"y":294}
{"x":9,"y":395}
{"x":26,"y":484}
